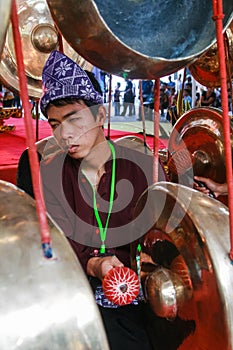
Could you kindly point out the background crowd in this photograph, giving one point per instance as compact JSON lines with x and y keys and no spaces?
{"x":177,"y":96}
{"x":174,"y":94}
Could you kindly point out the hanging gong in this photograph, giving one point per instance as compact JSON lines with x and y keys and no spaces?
{"x":39,"y":37}
{"x":138,"y":39}
{"x":197,"y":143}
{"x":186,"y":270}
{"x":205,"y":69}
{"x":45,"y":303}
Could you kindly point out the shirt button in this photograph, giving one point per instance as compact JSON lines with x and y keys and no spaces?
{"x":83,"y":180}
{"x":97,"y":231}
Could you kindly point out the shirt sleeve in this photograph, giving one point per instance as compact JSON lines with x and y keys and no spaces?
{"x":66,"y":222}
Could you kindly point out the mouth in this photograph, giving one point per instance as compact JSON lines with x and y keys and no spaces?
{"x":73,"y":149}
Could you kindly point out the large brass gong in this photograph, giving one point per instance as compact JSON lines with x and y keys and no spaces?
{"x":138,"y":39}
{"x":45,"y":304}
{"x":185,"y":259}
{"x":39,"y":36}
{"x":206,"y":69}
{"x":197,"y":143}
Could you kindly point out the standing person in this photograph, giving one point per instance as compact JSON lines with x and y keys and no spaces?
{"x":179,"y":83}
{"x":8,"y":98}
{"x":17,"y":101}
{"x":147,"y":96}
{"x":171,"y":84}
{"x":172,"y":108}
{"x":91,"y":188}
{"x":116,"y":96}
{"x":163,"y":99}
{"x":188,"y":84}
{"x":1,"y":96}
{"x":129,"y":97}
{"x":187,"y":100}
{"x":208,"y":97}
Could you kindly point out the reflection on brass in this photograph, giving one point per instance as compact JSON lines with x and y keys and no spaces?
{"x":165,"y":292}
{"x":196,"y":146}
{"x":46,"y":304}
{"x":12,"y":112}
{"x":134,"y":38}
{"x":48,"y":147}
{"x":5,"y":10}
{"x":135,"y":143}
{"x":206,"y":68}
{"x":6,"y":113}
{"x":39,"y":37}
{"x":186,"y":250}
{"x":44,"y":38}
{"x":7,"y":128}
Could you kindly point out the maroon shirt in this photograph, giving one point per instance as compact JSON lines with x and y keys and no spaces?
{"x":69,"y":201}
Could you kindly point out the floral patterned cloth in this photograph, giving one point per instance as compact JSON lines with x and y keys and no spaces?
{"x":62,"y":77}
{"x":104,"y":302}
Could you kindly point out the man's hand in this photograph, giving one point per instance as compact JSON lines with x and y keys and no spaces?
{"x":210,"y":185}
{"x":98,"y":266}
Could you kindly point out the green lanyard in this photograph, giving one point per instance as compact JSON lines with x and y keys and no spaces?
{"x":103,"y":230}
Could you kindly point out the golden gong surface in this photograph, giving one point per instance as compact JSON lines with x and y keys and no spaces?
{"x":135,"y":143}
{"x":189,"y":238}
{"x":5,"y":10}
{"x":39,"y":37}
{"x":135,"y":38}
{"x":45,"y":303}
{"x":206,"y":68}
{"x":199,"y":136}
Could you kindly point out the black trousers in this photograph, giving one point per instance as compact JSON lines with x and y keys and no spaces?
{"x":138,"y":328}
{"x":126,"y":327}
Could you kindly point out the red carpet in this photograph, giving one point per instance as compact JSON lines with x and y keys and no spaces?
{"x":14,"y":142}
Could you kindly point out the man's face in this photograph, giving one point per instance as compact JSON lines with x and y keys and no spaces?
{"x":75,"y":128}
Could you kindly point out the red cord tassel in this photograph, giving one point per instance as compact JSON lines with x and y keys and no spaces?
{"x":33,"y":157}
{"x":156,"y":130}
{"x":218,"y":17}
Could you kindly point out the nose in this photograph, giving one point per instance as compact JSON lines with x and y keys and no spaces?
{"x":65,"y":131}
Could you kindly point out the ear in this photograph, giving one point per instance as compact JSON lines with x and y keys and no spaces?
{"x":101,"y":115}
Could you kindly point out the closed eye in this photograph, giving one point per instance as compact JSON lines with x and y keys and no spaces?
{"x":73,"y":119}
{"x":54,"y":125}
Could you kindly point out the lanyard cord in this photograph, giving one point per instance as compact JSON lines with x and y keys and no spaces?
{"x":103,"y":230}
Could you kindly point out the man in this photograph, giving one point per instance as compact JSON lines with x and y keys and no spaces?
{"x":91,"y":188}
{"x":116,"y":96}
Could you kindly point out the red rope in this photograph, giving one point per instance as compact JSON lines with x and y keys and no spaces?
{"x":33,"y":157}
{"x":142,"y":113}
{"x":156,"y":130}
{"x":217,"y":17}
{"x":109,"y":106}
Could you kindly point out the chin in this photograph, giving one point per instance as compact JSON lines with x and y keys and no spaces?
{"x":75,"y":155}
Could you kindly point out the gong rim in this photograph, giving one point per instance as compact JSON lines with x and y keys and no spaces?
{"x":198,"y":226}
{"x":46,"y":303}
